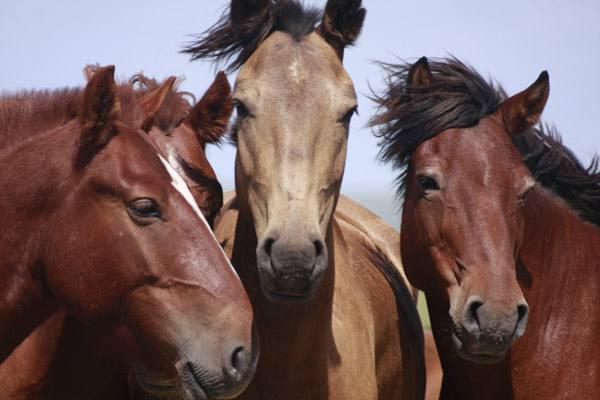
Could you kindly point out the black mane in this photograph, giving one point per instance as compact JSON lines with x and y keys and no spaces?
{"x":224,"y":42}
{"x":459,"y":97}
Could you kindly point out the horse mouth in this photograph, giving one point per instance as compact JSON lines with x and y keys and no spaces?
{"x":477,"y":358}
{"x":287,"y":297}
{"x":192,"y":386}
{"x":157,"y":389}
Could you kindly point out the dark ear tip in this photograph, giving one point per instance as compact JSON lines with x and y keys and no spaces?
{"x":544,"y":77}
{"x":104,"y":73}
{"x":222,"y":81}
{"x":422,"y":61}
{"x":110,"y":70}
{"x":222,"y":78}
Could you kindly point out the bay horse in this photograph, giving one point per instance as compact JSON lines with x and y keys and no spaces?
{"x":338,"y":319}
{"x":83,"y":179}
{"x":500,"y":228}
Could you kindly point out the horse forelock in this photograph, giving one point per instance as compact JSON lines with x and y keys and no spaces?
{"x":459,"y":97}
{"x":234,"y":45}
{"x":174,"y":107}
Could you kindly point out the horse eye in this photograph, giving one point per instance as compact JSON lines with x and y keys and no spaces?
{"x":241,"y":109}
{"x":348,"y":116}
{"x":144,"y":208}
{"x":428,"y":183}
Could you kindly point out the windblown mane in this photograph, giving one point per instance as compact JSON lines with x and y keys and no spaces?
{"x":458,"y":98}
{"x":225,"y":43}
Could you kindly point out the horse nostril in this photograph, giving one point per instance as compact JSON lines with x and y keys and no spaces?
{"x":523,"y":314}
{"x":238,"y":363}
{"x":318,"y":248}
{"x":235,"y":357}
{"x":268,"y":246}
{"x":523,"y":310}
{"x":473,"y":307}
{"x":471,"y":318}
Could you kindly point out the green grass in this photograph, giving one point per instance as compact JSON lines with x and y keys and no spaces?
{"x":423,"y":313}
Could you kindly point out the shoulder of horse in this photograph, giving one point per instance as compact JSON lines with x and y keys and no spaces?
{"x":359,"y":223}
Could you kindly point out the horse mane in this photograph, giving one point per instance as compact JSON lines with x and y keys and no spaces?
{"x":406,"y":306}
{"x":459,"y":97}
{"x":558,"y":169}
{"x":224,"y":42}
{"x":26,"y":111}
{"x":174,"y":108}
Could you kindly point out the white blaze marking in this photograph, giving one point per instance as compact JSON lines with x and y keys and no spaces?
{"x":295,"y":70}
{"x":179,"y":185}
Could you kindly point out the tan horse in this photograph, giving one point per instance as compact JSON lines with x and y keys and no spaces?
{"x":336,"y":317}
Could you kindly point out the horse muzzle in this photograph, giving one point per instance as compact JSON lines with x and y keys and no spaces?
{"x":291,"y":271}
{"x":486,"y":331}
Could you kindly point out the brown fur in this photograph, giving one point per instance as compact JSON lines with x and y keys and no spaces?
{"x":487,"y":229}
{"x":68,"y":358}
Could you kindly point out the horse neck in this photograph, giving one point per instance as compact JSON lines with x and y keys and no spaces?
{"x":32,"y":174}
{"x":559,"y":261}
{"x":297,"y":335}
{"x":558,"y":243}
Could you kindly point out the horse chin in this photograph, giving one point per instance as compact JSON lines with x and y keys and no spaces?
{"x":160,"y":389}
{"x":291,"y":296}
{"x":287,"y":299}
{"x":479,"y":358}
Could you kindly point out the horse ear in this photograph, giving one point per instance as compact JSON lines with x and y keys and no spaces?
{"x":420,"y":74}
{"x":342,"y":22}
{"x":152,"y":102}
{"x":89,"y":71}
{"x":99,"y":109}
{"x":210,"y":116}
{"x":521,"y":111}
{"x":242,"y":11}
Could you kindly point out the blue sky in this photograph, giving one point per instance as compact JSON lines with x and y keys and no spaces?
{"x":45,"y":44}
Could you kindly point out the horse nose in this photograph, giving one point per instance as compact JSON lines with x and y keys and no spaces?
{"x":480,"y":317}
{"x":293,"y":256}
{"x":291,"y":266}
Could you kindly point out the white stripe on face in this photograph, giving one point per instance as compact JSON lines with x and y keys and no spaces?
{"x":179,"y":185}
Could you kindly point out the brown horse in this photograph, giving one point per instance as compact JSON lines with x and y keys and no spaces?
{"x":338,"y":318}
{"x":181,"y":133}
{"x":499,"y":217}
{"x":178,"y":312}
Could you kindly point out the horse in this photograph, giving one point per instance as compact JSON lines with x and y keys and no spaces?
{"x":500,"y":229}
{"x":84,"y":179}
{"x":181,"y":132}
{"x":333,"y":308}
